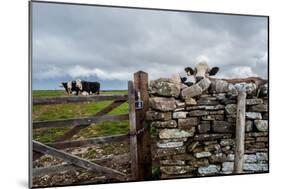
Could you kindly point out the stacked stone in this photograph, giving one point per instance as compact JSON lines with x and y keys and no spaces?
{"x":256,"y":138}
{"x":196,"y":128}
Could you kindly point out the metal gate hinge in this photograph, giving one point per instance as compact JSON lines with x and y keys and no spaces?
{"x":139,"y":102}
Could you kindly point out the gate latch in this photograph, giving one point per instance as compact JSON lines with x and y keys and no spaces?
{"x":139,"y":102}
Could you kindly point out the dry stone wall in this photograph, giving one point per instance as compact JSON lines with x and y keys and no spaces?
{"x":195,"y":127}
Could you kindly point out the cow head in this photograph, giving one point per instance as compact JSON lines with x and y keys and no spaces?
{"x":64,"y":85}
{"x":201,"y":71}
{"x":78,"y":84}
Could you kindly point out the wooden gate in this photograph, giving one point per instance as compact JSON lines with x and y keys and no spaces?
{"x":139,"y":134}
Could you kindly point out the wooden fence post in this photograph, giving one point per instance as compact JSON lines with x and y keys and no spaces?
{"x":240,"y":133}
{"x":133,"y":138}
{"x":142,"y":128}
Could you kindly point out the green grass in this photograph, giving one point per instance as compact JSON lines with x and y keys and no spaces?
{"x":77,"y":110}
{"x":51,"y":93}
{"x":48,"y":135}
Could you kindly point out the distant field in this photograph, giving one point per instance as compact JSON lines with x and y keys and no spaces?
{"x":76,"y":110}
{"x":43,"y":93}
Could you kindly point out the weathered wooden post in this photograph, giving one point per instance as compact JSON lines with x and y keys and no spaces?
{"x":140,"y":130}
{"x":240,"y":133}
{"x":133,"y":138}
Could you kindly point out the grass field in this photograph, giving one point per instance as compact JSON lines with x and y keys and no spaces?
{"x":76,"y":110}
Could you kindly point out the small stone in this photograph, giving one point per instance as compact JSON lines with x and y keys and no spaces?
{"x":230,"y":157}
{"x":261,"y":125}
{"x":259,"y":108}
{"x":176,"y":170}
{"x":217,"y":158}
{"x":179,"y":109}
{"x":214,"y":136}
{"x":262,"y":139}
{"x":219,"y":112}
{"x":250,"y":158}
{"x":202,"y":154}
{"x":179,"y":115}
{"x":192,"y":146}
{"x":220,"y":96}
{"x":207,"y":102}
{"x":226,"y":149}
{"x":204,"y":84}
{"x":190,"y":102}
{"x":169,"y":144}
{"x":203,"y":162}
{"x":164,"y":124}
{"x":217,"y":107}
{"x":219,"y":86}
{"x":255,"y":167}
{"x":165,"y":87}
{"x":191,"y":91}
{"x":172,"y":162}
{"x":249,"y":126}
{"x":253,"y":115}
{"x":229,"y":101}
{"x":232,"y":90}
{"x":186,"y":157}
{"x":249,"y":88}
{"x":162,"y":103}
{"x":231,"y":119}
{"x":256,"y":134}
{"x":198,"y":113}
{"x":222,"y":127}
{"x":180,"y":104}
{"x":175,"y":133}
{"x":254,"y":101}
{"x":161,"y":116}
{"x":227,"y":142}
{"x":212,"y":147}
{"x":209,"y":170}
{"x":213,"y":117}
{"x":188,"y":122}
{"x":262,"y":157}
{"x":164,"y":152}
{"x":195,"y":107}
{"x":227,"y":167}
{"x":231,"y":108}
{"x":204,"y":128}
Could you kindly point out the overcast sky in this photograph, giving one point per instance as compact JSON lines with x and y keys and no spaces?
{"x":110,"y":44}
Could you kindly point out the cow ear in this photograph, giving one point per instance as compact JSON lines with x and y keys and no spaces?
{"x":214,"y":71}
{"x":183,"y":79}
{"x":189,"y":71}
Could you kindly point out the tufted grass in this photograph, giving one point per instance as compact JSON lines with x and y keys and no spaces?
{"x":77,"y":110}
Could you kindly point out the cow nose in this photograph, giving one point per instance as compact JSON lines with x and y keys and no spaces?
{"x":199,"y":78}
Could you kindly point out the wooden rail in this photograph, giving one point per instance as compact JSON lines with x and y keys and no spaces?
{"x":75,"y":130}
{"x":79,"y":121}
{"x":121,"y":159}
{"x":97,"y":140}
{"x":76,"y":99}
{"x":75,"y":160}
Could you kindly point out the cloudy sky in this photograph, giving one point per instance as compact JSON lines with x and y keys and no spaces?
{"x":110,"y":44}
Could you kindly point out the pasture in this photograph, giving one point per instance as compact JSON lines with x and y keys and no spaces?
{"x":80,"y":110}
{"x":76,"y":110}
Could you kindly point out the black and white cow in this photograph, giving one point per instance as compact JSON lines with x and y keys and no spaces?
{"x":201,"y":71}
{"x":89,"y":87}
{"x":70,"y":87}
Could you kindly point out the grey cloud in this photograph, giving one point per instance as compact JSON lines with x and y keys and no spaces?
{"x":113,"y":43}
